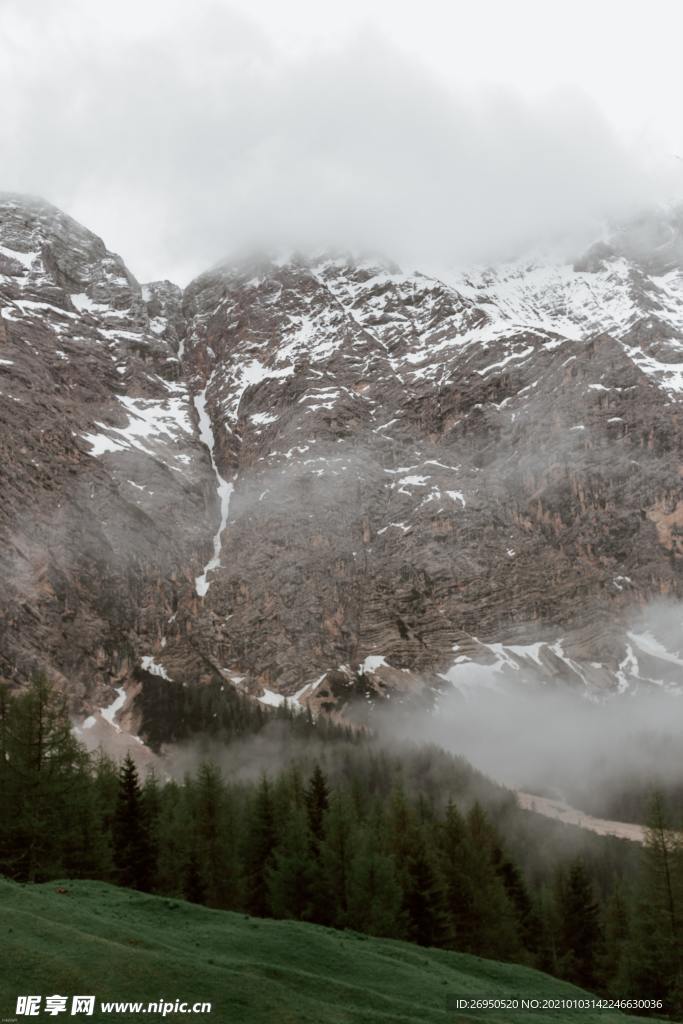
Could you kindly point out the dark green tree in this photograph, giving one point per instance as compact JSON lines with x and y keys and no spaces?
{"x":548,"y":915}
{"x":133,"y":847}
{"x":193,"y":884}
{"x":656,"y":955}
{"x":317,"y":800}
{"x":335,"y":852}
{"x":293,"y":874}
{"x":215,"y":839}
{"x":45,"y":816}
{"x":176,"y":841}
{"x":258,"y":850}
{"x":105,"y":786}
{"x":579,"y":927}
{"x":374,"y":898}
{"x":614,"y":965}
{"x":494,"y":921}
{"x":424,"y":898}
{"x":456,"y":857}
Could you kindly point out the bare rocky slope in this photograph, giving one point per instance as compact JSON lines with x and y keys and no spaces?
{"x":326,"y":477}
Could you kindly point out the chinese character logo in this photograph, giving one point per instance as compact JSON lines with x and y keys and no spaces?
{"x":28,"y":1006}
{"x":83,"y":1004}
{"x":55,"y":1005}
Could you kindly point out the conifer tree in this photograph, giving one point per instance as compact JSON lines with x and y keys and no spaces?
{"x":176,"y":841}
{"x":133,"y":849}
{"x":317,"y":801}
{"x":548,"y":915}
{"x":44,"y":781}
{"x":292,"y":875}
{"x":493,"y":922}
{"x":86,"y":848}
{"x":401,"y":825}
{"x":657,"y":944}
{"x":614,"y":966}
{"x":193,"y":885}
{"x":513,"y":881}
{"x":214,"y":840}
{"x":151,"y":799}
{"x":258,"y":850}
{"x":424,"y":899}
{"x":580,"y":927}
{"x":455,"y":857}
{"x":374,"y":897}
{"x":335,"y":853}
{"x":105,"y":785}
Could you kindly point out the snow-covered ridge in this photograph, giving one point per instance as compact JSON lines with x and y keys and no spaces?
{"x":645,"y":663}
{"x":616,"y":297}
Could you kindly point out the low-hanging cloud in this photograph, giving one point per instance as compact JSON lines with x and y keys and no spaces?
{"x":187,"y":136}
{"x":550,"y":739}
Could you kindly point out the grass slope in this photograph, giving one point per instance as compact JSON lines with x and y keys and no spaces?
{"x":116,"y":944}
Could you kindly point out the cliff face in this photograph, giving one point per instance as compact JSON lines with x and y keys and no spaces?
{"x":104,"y":479}
{"x":319,"y":477}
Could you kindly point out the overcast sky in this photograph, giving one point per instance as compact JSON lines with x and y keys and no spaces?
{"x":438,"y":131}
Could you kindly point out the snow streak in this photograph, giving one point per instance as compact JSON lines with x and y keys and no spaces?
{"x":224,"y":489}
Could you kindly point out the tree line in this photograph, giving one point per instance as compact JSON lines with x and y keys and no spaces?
{"x":408,"y":844}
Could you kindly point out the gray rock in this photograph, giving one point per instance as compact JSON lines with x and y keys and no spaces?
{"x":431,"y":482}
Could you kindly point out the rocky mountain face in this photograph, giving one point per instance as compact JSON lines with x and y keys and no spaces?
{"x":324,"y":477}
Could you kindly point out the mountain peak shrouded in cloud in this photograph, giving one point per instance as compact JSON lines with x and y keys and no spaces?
{"x":341,"y":394}
{"x":423,"y":471}
{"x":182,"y":138}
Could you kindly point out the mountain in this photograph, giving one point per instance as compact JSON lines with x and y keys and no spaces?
{"x":324,"y":477}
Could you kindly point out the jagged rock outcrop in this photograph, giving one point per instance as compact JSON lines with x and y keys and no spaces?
{"x":322,"y":476}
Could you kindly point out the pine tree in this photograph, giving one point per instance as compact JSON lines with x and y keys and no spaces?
{"x":614,"y":968}
{"x":580,"y":927}
{"x":44,"y":784}
{"x":656,"y":954}
{"x":86,"y":850}
{"x":193,"y":885}
{"x":133,"y":849}
{"x":424,"y":899}
{"x":176,"y":842}
{"x":456,"y":861}
{"x":316,"y":797}
{"x":105,"y":785}
{"x":335,"y":852}
{"x":151,"y":799}
{"x":258,"y":850}
{"x":214,"y":841}
{"x":374,"y":896}
{"x":494,"y":928}
{"x":292,"y":875}
{"x":548,"y":915}
{"x":528,"y":925}
{"x":401,"y":826}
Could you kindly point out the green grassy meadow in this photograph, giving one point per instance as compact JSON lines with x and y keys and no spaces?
{"x":116,"y":944}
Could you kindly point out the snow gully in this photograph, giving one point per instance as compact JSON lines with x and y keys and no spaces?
{"x":224,"y":489}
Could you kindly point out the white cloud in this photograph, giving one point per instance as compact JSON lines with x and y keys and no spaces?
{"x":183,"y":132}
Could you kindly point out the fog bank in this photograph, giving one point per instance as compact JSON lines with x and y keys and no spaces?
{"x":186,"y":136}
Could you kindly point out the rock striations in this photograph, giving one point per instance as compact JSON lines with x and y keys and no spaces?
{"x":316,"y":478}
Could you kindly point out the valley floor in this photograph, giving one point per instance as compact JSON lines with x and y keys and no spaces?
{"x":561,"y":811}
{"x":90,"y":938}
